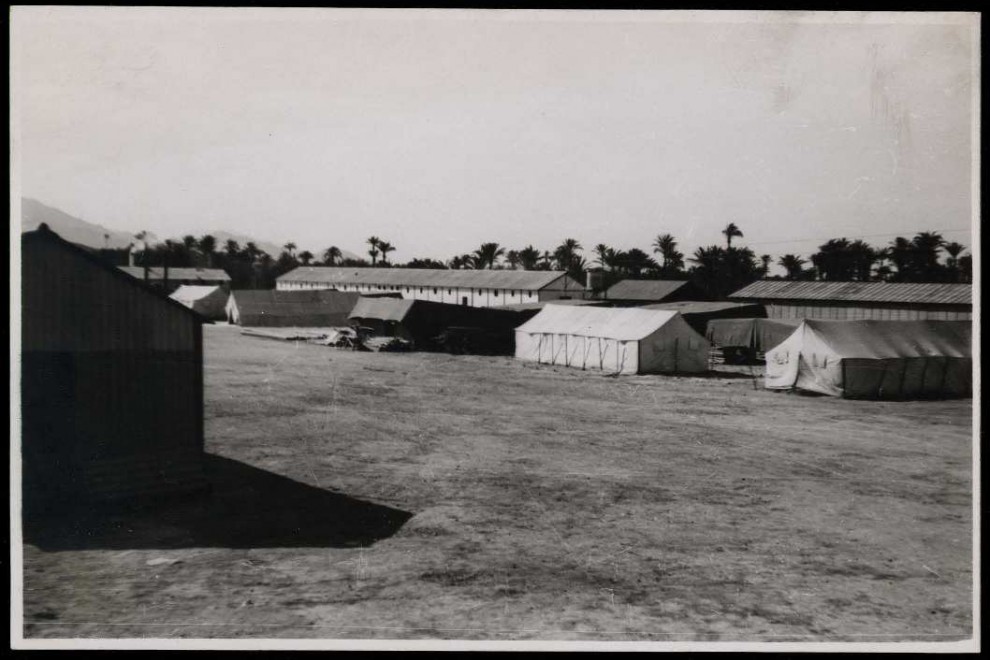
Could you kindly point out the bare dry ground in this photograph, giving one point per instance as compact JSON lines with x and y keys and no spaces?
{"x":361,"y":495}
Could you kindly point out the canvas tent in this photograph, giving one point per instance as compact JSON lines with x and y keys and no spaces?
{"x":284,"y":309}
{"x":699,"y":313}
{"x":756,"y":334}
{"x":207,"y":301}
{"x":875,"y":359}
{"x":615,"y":340}
{"x":423,"y":322}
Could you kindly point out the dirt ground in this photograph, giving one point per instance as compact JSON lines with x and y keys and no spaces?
{"x":364,"y":495}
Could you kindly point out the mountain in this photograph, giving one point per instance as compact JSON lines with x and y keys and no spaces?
{"x":74,"y":229}
{"x":242,"y":240}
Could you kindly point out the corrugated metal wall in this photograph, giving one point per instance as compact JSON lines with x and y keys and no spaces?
{"x":111,"y":382}
{"x":865,"y":312}
{"x":72,"y":304}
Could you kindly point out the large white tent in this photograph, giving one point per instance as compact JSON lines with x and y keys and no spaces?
{"x":615,"y":340}
{"x":875,"y":359}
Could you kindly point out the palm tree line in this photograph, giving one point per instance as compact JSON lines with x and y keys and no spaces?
{"x":717,"y":269}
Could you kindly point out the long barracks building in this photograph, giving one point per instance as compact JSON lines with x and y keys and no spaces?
{"x":476,"y":288}
{"x":847,"y":301}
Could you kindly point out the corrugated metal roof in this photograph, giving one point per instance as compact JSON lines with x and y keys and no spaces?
{"x":384,"y":309}
{"x":643,"y":289}
{"x":45,"y":234}
{"x":895,"y":339}
{"x":525,"y":307}
{"x":621,"y":323}
{"x":886,"y":292}
{"x":156,"y":273}
{"x":528,"y":280}
{"x":271,"y":302}
{"x":192,"y":292}
{"x":700,"y":306}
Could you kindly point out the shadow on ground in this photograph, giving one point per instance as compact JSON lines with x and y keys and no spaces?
{"x":246,"y":508}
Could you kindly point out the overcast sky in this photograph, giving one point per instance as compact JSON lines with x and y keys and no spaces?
{"x":437,"y":131}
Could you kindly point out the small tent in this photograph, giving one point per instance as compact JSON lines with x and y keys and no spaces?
{"x":875,"y":359}
{"x":699,"y":314}
{"x":756,"y":334}
{"x":426,"y":323}
{"x":207,"y":301}
{"x":615,"y":340}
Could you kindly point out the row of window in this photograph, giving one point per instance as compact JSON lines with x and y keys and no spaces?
{"x":384,"y":287}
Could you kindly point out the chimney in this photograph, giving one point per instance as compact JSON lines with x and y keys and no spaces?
{"x":168,"y":253}
{"x":593,"y":281}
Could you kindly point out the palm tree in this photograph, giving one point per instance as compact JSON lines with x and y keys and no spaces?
{"x":546,"y":259}
{"x":566,"y":253}
{"x":834,"y":261}
{"x":601,"y":251}
{"x":529,"y":256}
{"x":305,"y":257}
{"x":926,"y":246}
{"x":731,"y":231}
{"x":900,"y":254}
{"x":462,"y":262}
{"x":636,"y":261}
{"x":488,"y":254}
{"x":373,"y":242}
{"x":616,"y":260}
{"x":765,"y":260}
{"x":512,"y":258}
{"x":953,"y":249}
{"x":952,"y":262}
{"x":385,"y":247}
{"x":208,"y":245}
{"x":289,"y":247}
{"x":793,"y":264}
{"x":881,"y":256}
{"x":252,"y":252}
{"x":862,"y":257}
{"x":331,"y":254}
{"x":663,"y":245}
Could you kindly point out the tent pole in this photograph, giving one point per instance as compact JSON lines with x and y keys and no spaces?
{"x":900,"y":392}
{"x":924,"y":370}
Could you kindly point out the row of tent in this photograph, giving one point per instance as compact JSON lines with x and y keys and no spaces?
{"x":856,"y":359}
{"x":853,"y":359}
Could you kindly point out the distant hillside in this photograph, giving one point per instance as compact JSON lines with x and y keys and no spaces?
{"x":76,"y":230}
{"x":73,"y":229}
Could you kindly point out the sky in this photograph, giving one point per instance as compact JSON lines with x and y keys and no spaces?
{"x":440,"y":130}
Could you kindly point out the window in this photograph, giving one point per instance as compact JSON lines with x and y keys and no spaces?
{"x":449,"y":292}
{"x":495,"y":292}
{"x":434,"y":290}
